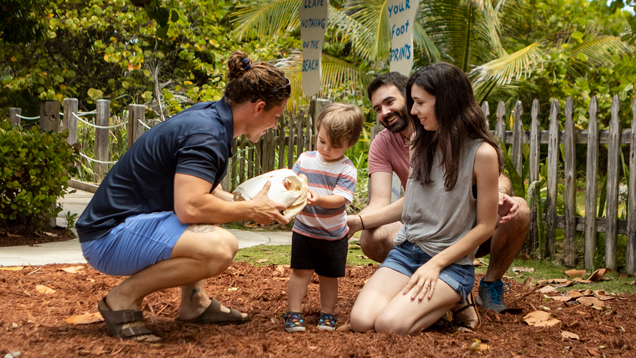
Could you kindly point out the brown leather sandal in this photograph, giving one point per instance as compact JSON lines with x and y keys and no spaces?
{"x":214,"y":315}
{"x":126,"y":324}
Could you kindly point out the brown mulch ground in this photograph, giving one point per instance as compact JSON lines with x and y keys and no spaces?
{"x":9,"y":238}
{"x":33,"y":323}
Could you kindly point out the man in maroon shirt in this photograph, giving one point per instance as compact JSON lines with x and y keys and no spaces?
{"x":389,"y":153}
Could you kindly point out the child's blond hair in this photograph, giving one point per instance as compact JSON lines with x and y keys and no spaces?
{"x":342,"y":123}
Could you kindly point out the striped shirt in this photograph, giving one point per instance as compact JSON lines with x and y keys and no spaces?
{"x":325,"y":178}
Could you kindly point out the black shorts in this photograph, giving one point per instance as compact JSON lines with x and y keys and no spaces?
{"x":484,"y":249}
{"x":327,"y":257}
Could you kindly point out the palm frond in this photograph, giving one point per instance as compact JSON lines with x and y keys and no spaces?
{"x":504,"y":70}
{"x":599,"y":50}
{"x":336,"y":73}
{"x":266,"y":18}
{"x":368,"y":29}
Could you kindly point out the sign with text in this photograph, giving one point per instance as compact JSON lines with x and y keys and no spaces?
{"x":401,"y":24}
{"x":313,"y":24}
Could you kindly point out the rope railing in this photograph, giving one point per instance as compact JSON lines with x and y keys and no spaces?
{"x":143,"y":124}
{"x":95,"y":160}
{"x":96,"y":126}
{"x":27,"y":118}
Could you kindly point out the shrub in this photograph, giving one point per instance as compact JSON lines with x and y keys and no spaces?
{"x":34,"y":170}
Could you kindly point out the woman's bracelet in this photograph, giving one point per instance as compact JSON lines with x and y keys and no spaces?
{"x":361,"y":222}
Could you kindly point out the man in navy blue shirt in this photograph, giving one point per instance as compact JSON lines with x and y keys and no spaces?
{"x":155,"y":216}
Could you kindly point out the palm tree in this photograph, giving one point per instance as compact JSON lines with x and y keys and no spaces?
{"x":467,"y":33}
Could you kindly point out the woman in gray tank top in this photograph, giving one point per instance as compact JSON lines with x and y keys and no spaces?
{"x":448,"y":210}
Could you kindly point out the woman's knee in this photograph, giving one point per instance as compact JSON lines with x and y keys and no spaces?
{"x":361,"y":322}
{"x":389,"y":323}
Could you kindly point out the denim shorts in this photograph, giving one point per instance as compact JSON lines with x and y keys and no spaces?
{"x":137,"y":243}
{"x":407,"y":257}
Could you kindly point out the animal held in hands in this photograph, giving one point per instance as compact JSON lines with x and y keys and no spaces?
{"x":287,"y":187}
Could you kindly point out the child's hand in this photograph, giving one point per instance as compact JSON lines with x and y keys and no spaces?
{"x":312,"y":198}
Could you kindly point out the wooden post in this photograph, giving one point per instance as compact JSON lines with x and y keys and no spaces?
{"x":316,"y":107}
{"x":570,"y":186}
{"x":631,"y":212}
{"x":281,"y":143}
{"x":299,"y":135}
{"x":553,"y":161}
{"x":517,"y":141}
{"x":14,"y":113}
{"x":290,"y":145}
{"x":234,"y":161}
{"x":101,"y":139}
{"x":500,"y":129}
{"x":591,"y":190}
{"x":613,"y":156}
{"x":70,"y":121}
{"x":50,"y":116}
{"x":136,"y":119}
{"x":486,"y":110}
{"x":535,"y":146}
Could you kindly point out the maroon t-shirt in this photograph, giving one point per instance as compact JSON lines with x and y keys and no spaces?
{"x":389,"y":154}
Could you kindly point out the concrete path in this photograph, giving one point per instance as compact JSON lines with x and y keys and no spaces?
{"x":70,"y":252}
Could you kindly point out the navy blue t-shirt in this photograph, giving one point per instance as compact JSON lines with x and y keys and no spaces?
{"x":196,"y":141}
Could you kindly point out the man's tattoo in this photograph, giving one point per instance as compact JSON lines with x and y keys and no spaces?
{"x":202,"y":228}
{"x":194,"y":292}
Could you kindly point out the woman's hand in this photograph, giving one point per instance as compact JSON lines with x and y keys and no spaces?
{"x":354,"y":223}
{"x":423,"y":281}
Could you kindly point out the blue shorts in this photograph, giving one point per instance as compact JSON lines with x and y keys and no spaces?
{"x":137,"y":243}
{"x":408,"y":257}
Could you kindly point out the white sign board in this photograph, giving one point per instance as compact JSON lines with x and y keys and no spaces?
{"x":313,"y":24}
{"x":401,"y":24}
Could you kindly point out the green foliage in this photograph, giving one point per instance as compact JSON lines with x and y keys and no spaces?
{"x":94,"y":49}
{"x":35,"y":170}
{"x":18,"y":23}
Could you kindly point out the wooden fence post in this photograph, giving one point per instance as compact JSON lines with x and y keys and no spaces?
{"x":500,"y":129}
{"x":290,"y":143}
{"x":50,"y":116}
{"x":570,"y":186}
{"x":613,"y":156}
{"x":517,"y":141}
{"x":315,"y":108}
{"x":553,"y":161}
{"x":631,"y":212}
{"x":101,"y":139}
{"x":136,"y":120}
{"x":14,"y":113}
{"x":591,"y":190}
{"x":69,"y":121}
{"x":486,"y":110}
{"x":533,"y":173}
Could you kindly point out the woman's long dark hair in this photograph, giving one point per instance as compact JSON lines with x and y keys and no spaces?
{"x":458,"y":115}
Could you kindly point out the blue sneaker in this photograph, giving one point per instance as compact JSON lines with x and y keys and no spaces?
{"x":491,"y":295}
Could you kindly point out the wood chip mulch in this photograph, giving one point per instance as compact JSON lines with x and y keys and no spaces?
{"x":33,"y":323}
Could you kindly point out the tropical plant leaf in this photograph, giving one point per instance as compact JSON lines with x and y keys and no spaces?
{"x":335,"y":73}
{"x":266,"y":18}
{"x":506,"y":69}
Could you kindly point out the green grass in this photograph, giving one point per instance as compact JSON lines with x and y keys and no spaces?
{"x":281,"y":254}
{"x":544,"y":269}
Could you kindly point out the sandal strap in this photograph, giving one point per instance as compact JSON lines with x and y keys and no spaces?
{"x":123,"y":316}
{"x":134,"y":331}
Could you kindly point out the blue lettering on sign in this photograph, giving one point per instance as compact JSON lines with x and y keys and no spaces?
{"x":309,"y":23}
{"x":310,"y":65}
{"x":402,"y":53}
{"x":396,"y":9}
{"x":312,"y":3}
{"x":399,"y":30}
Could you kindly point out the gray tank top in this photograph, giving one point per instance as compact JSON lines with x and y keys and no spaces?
{"x":434,"y":218}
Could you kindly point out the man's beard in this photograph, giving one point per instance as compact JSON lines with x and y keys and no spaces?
{"x":401,"y":121}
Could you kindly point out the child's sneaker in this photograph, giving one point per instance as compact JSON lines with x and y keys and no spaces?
{"x":294,"y":322}
{"x":327,"y":321}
